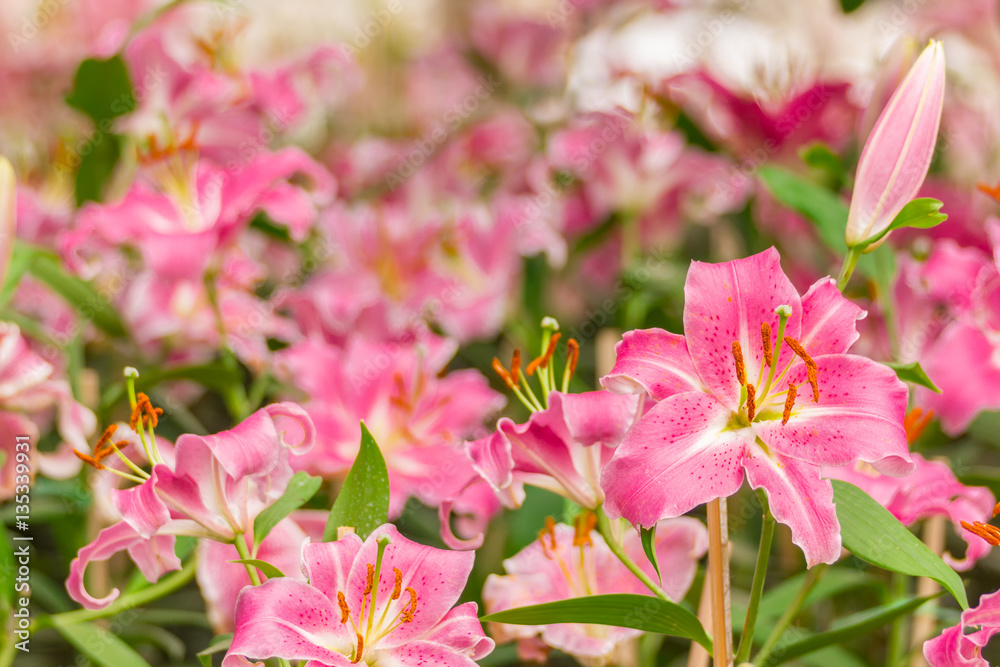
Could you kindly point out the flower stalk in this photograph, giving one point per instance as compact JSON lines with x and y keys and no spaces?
{"x":759,"y":575}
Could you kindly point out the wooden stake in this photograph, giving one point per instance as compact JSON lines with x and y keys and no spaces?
{"x":718,"y":572}
{"x":924,"y":621}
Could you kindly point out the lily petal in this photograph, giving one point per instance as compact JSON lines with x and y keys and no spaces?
{"x":288,"y":619}
{"x":800,"y":500}
{"x":437,"y":576}
{"x":461,"y":631}
{"x":153,"y":557}
{"x":728,"y":302}
{"x":677,"y":457}
{"x":653,"y":361}
{"x":859,"y":416}
{"x":828,"y":319}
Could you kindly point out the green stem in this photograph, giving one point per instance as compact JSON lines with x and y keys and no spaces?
{"x":757,"y":589}
{"x":604,"y":526}
{"x":235,"y":396}
{"x":8,"y":651}
{"x":158,"y":590}
{"x":847,"y":269}
{"x":244,"y":551}
{"x":897,"y":633}
{"x":786,"y":619}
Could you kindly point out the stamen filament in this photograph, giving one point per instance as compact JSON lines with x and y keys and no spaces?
{"x":139,"y":471}
{"x":382,"y":543}
{"x":783,"y":312}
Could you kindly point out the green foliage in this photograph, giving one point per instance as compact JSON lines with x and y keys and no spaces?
{"x":300,"y":489}
{"x":363,"y":501}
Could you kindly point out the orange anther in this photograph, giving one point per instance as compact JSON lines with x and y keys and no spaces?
{"x":741,"y":373}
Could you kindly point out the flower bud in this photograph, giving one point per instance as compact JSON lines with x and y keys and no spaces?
{"x":898,"y":153}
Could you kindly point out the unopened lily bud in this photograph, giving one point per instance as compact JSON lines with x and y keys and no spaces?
{"x":898,"y":153}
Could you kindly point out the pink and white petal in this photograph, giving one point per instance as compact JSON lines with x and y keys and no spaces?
{"x":437,"y":575}
{"x":141,"y":507}
{"x":728,"y":302}
{"x":829,"y":320}
{"x":155,"y":557}
{"x":289,"y":619}
{"x":420,"y":654}
{"x":249,"y":448}
{"x":492,"y":459}
{"x":800,"y":500}
{"x":461,"y":631}
{"x":596,"y":417}
{"x":653,"y":361}
{"x":109,"y":541}
{"x":859,"y":416}
{"x":328,"y":564}
{"x":676,"y":457}
{"x":293,"y":425}
{"x":183,"y":494}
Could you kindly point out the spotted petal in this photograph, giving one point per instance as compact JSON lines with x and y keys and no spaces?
{"x":728,"y":302}
{"x":676,"y":457}
{"x":859,"y":416}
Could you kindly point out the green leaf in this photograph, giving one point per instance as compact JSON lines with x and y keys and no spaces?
{"x":100,"y":645}
{"x":648,"y":537}
{"x":20,"y":259}
{"x":912,"y":372}
{"x":363,"y":501}
{"x":269,"y":570}
{"x":850,"y":5}
{"x":97,"y":167}
{"x":921,"y":213}
{"x":824,"y":209}
{"x":874,"y":535}
{"x":641,"y":612}
{"x":78,"y":293}
{"x":819,"y":157}
{"x":102,"y":89}
{"x":835,"y":582}
{"x":846,"y":629}
{"x":301,"y":488}
{"x":218,"y":644}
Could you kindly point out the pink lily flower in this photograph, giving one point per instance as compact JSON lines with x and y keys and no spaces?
{"x":932,"y":490}
{"x":185,"y":209}
{"x":898,"y":152}
{"x":736,"y":401}
{"x":949,"y":313}
{"x":957,"y":648}
{"x":386,"y":600}
{"x":32,"y":397}
{"x":418,"y":416}
{"x":562,"y":448}
{"x":213,"y":488}
{"x":567,"y":562}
